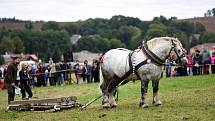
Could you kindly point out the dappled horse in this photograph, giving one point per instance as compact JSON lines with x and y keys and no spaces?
{"x":120,"y":65}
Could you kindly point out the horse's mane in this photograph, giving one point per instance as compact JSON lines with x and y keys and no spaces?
{"x":153,"y":42}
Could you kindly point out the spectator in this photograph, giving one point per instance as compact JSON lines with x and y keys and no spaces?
{"x":168,"y":67}
{"x":190,"y":65}
{"x":10,"y":77}
{"x":5,"y":70}
{"x":24,"y":82}
{"x":64,"y":73}
{"x":205,"y":60}
{"x":46,"y":76}
{"x":213,"y":62}
{"x":77,"y":70}
{"x":58,"y":76}
{"x":52,"y":74}
{"x":31,"y":75}
{"x":87,"y":72}
{"x":174,"y":72}
{"x":95,"y":71}
{"x":197,"y":58}
{"x":39,"y":75}
{"x":2,"y":85}
{"x":1,"y":72}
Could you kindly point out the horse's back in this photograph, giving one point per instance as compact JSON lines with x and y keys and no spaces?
{"x":114,"y":61}
{"x":118,"y":52}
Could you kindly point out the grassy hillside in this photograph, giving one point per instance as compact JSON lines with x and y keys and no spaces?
{"x":21,"y":25}
{"x":184,"y":98}
{"x":208,"y":22}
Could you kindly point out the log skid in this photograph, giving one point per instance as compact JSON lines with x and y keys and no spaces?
{"x":44,"y":105}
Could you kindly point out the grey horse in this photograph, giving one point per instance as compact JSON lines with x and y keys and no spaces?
{"x":144,"y":64}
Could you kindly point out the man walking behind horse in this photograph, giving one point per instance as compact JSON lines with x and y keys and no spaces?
{"x":10,"y":77}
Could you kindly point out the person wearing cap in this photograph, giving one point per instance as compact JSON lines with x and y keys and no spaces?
{"x":10,"y":77}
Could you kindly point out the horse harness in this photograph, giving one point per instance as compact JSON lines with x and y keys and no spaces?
{"x":151,"y":57}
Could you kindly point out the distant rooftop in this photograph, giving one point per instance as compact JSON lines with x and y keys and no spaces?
{"x":85,"y":55}
{"x":74,"y":39}
{"x":209,"y":46}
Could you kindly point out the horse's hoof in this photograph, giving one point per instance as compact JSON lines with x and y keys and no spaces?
{"x":106,"y":105}
{"x":113,"y":105}
{"x":145,"y":106}
{"x":158,"y":103}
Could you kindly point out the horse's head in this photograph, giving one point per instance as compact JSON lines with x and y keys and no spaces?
{"x":177,"y":52}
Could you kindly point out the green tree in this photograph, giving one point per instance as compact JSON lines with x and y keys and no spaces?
{"x":209,"y":12}
{"x":155,"y":30}
{"x":198,"y":28}
{"x":29,"y":25}
{"x":115,"y":43}
{"x":213,"y":11}
{"x":1,"y":60}
{"x":136,"y":39}
{"x":18,"y":45}
{"x":185,"y":27}
{"x":6,"y":45}
{"x":50,"y":25}
{"x":129,"y":35}
{"x":117,"y":21}
{"x":207,"y":37}
{"x":72,"y":28}
{"x":94,"y":43}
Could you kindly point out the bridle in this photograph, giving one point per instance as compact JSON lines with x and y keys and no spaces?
{"x":158,"y":60}
{"x":173,"y":48}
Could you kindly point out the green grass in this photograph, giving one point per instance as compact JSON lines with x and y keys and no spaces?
{"x":183,"y":98}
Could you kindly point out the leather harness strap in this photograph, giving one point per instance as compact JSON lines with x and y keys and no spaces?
{"x":152,"y":56}
{"x":132,"y":69}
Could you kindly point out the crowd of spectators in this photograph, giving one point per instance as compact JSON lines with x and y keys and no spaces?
{"x":44,"y":74}
{"x":199,"y":62}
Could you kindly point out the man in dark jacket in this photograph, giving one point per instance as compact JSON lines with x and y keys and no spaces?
{"x":24,"y":82}
{"x":10,"y":77}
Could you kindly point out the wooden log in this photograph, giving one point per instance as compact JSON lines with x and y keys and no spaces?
{"x":45,"y":104}
{"x":44,"y":101}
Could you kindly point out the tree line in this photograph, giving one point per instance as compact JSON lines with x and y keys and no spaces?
{"x":98,"y":35}
{"x":210,"y":12}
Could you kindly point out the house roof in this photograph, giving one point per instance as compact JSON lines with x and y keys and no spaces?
{"x":85,"y":55}
{"x":209,"y":46}
{"x":7,"y":57}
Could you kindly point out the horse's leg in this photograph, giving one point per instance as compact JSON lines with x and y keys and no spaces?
{"x":105,"y":95}
{"x":155,"y":85}
{"x":144,"y":89}
{"x":112,"y":100}
{"x":112,"y":90}
{"x":105,"y":102}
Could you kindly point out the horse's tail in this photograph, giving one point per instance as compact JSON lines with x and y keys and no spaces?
{"x":101,"y":78}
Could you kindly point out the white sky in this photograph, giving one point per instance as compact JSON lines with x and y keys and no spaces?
{"x":73,"y":10}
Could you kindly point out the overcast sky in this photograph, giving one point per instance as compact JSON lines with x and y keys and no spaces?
{"x":73,"y":10}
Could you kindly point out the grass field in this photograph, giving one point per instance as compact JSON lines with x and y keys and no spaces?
{"x":183,"y":98}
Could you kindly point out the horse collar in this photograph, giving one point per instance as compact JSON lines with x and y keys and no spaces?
{"x":152,"y":56}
